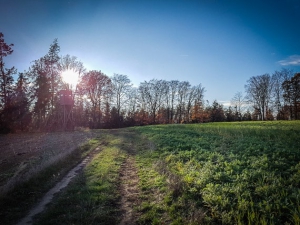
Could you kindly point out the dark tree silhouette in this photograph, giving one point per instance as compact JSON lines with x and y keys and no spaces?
{"x":121,"y":87}
{"x":6,"y":86}
{"x":292,"y":95}
{"x":51,"y":61}
{"x":216,"y":112}
{"x":41,"y":91}
{"x":20,"y":101}
{"x":259,"y":93}
{"x":6,"y":78}
{"x":151,"y":94}
{"x":97,"y":87}
{"x":279,"y":77}
{"x":173,"y":88}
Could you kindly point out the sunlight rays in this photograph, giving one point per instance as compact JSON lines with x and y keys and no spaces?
{"x":70,"y":78}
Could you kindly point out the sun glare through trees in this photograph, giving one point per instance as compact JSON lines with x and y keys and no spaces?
{"x":70,"y":78}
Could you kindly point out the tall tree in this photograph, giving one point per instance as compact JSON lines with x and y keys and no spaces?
{"x":6,"y":78}
{"x":173,"y":88}
{"x":6,"y":86}
{"x":199,"y":114}
{"x":183,"y":88}
{"x":279,"y":77}
{"x":259,"y":93}
{"x":216,"y":112}
{"x":195,"y":94}
{"x":51,"y":62}
{"x":292,"y":95}
{"x":44,"y":75}
{"x":21,"y":113}
{"x":152,"y":95}
{"x":41,"y":91}
{"x":121,"y":86}
{"x":97,"y":86}
{"x":238,"y":101}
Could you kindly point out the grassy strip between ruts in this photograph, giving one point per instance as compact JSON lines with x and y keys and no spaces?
{"x":15,"y":204}
{"x":152,"y":186}
{"x":161,"y":198}
{"x":92,"y":198}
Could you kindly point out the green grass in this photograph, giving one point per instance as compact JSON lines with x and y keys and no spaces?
{"x":92,"y":198}
{"x":152,"y":186}
{"x":214,"y":173}
{"x":231,"y":173}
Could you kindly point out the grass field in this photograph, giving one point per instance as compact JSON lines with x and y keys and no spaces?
{"x":230,"y":173}
{"x":214,"y":173}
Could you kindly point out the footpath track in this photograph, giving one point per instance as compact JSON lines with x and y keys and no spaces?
{"x":129,"y":191}
{"x":40,"y":207}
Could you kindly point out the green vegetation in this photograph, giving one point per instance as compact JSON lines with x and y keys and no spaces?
{"x":92,"y":197}
{"x":229,"y":173}
{"x":16,"y":203}
{"x":211,"y":173}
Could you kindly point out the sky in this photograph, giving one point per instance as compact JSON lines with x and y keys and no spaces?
{"x":218,"y":44}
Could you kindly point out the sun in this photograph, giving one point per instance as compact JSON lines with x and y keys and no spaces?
{"x":70,"y":77}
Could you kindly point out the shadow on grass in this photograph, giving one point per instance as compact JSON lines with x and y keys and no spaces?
{"x":18,"y":201}
{"x":92,"y":197}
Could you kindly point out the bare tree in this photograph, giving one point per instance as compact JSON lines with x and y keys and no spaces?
{"x":121,"y":86}
{"x":238,"y":101}
{"x":259,"y":93}
{"x":152,"y":94}
{"x":279,"y":78}
{"x":173,"y":88}
{"x":133,"y":100}
{"x":194,"y":94}
{"x":183,"y":88}
{"x":97,"y":86}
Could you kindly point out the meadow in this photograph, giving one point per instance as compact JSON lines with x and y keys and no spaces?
{"x":230,"y":173}
{"x":211,"y":173}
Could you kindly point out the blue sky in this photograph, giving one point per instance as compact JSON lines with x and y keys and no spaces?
{"x":219,"y":44}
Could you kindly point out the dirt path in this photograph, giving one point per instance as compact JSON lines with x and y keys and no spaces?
{"x":57,"y":188}
{"x":129,"y":191}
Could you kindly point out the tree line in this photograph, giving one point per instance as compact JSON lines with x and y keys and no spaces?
{"x":33,"y":100}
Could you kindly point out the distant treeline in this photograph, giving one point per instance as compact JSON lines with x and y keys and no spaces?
{"x":33,"y":101}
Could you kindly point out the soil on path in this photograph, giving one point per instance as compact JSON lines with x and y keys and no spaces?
{"x":40,"y":207}
{"x":129,"y":191}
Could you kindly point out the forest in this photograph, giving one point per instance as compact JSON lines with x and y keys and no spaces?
{"x":32,"y":101}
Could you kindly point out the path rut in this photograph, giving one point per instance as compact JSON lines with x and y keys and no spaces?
{"x":40,"y":207}
{"x":129,"y":191}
